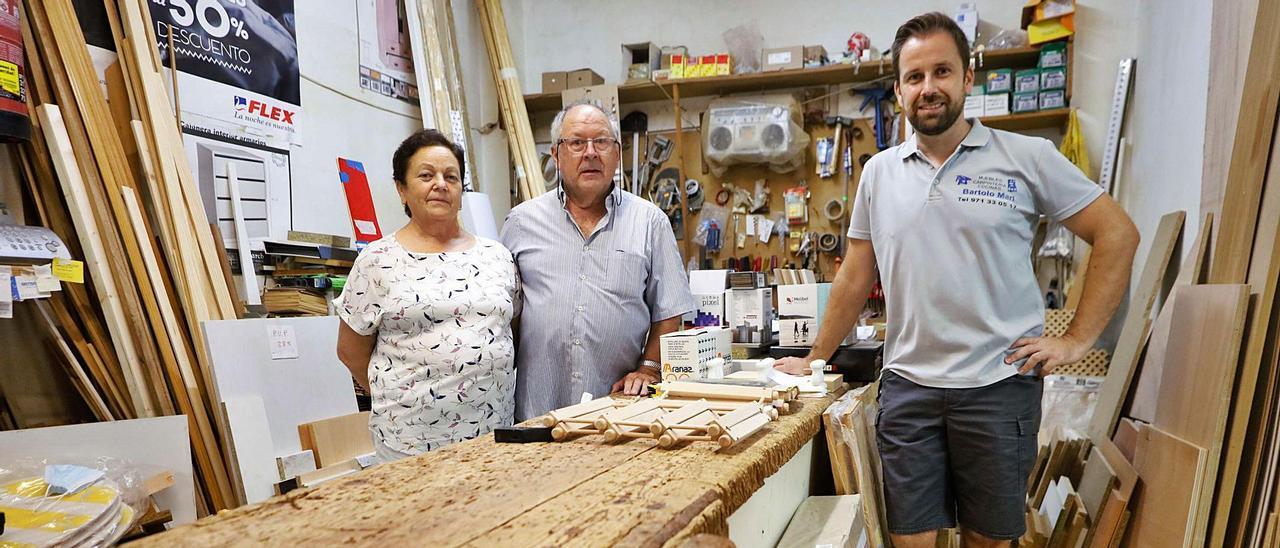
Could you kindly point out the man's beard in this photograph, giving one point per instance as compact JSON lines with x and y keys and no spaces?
{"x":951,"y":112}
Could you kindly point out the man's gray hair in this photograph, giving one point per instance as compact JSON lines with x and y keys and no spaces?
{"x":593,"y":103}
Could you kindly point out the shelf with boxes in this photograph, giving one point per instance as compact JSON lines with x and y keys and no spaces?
{"x":780,"y":79}
{"x":1024,"y":96}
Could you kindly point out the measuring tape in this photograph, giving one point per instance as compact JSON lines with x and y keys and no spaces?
{"x":834,"y":210}
{"x":1121,"y":96}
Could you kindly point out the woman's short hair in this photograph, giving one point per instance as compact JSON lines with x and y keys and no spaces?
{"x":423,"y":138}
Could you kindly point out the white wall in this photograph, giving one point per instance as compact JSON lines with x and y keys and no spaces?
{"x":1166,"y":124}
{"x":342,"y":120}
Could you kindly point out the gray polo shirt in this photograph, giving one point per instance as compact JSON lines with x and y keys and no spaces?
{"x":588,"y":300}
{"x":953,"y":246}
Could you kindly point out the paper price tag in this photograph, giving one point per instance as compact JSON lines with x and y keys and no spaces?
{"x":9,"y":80}
{"x":766,"y":229}
{"x":68,"y":270}
{"x":27,"y":288}
{"x":284,"y":343}
{"x":44,"y":279}
{"x":6,"y":287}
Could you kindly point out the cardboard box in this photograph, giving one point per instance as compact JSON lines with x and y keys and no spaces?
{"x":1054,"y":98}
{"x":685,"y":353}
{"x":815,"y":56}
{"x":801,"y":308}
{"x":676,"y":66}
{"x":554,"y":81}
{"x":708,"y":288}
{"x":750,"y":315}
{"x":1026,"y":81}
{"x":707,"y":65}
{"x":1053,"y":55}
{"x":967,"y":20}
{"x":803,"y":300}
{"x":996,"y":104}
{"x":1053,"y":78}
{"x":975,"y":106}
{"x":774,"y":59}
{"x":639,"y":60}
{"x":999,"y":81}
{"x":1026,"y":102}
{"x":582,"y":78}
{"x":723,"y":65}
{"x":692,"y":67}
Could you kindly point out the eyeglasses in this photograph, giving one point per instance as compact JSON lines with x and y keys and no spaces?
{"x":603,"y":145}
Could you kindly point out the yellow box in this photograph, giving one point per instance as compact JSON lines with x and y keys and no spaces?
{"x":723,"y":65}
{"x":677,"y":66}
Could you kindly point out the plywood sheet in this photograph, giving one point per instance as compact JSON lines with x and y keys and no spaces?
{"x":1133,"y":334}
{"x":336,"y":439}
{"x":1172,"y":471}
{"x":1146,"y":394}
{"x":1199,"y":375}
{"x":252,"y":451}
{"x":1199,"y":369}
{"x":159,"y":443}
{"x":1097,"y":482}
{"x":313,"y":386}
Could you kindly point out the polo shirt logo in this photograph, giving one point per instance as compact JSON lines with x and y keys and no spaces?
{"x":962,"y":180}
{"x":1013,"y":185}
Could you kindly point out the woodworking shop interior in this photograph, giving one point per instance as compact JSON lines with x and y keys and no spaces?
{"x":699,"y":273}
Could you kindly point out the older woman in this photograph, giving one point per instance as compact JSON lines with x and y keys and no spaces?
{"x":426,"y":314}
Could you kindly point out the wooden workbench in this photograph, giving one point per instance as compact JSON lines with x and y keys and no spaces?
{"x":481,"y":493}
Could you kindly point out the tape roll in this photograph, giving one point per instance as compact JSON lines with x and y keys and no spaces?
{"x":834,"y":210}
{"x":723,"y":196}
{"x":827,"y":242}
{"x":692,"y":187}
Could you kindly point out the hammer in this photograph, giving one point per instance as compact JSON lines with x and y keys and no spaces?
{"x":840,"y":122}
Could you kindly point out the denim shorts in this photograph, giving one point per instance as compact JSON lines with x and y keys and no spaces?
{"x":958,"y":453}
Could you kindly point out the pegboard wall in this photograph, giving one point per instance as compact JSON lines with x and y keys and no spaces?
{"x":820,"y":190}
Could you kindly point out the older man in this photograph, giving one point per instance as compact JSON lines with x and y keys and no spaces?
{"x":601,"y":274}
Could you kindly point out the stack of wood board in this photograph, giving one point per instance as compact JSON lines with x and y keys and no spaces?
{"x":111,"y":179}
{"x":851,"y":440}
{"x":444,"y":104}
{"x":295,"y":301}
{"x":515,"y":116}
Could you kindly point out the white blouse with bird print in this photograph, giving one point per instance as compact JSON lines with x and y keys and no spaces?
{"x":442,"y":369}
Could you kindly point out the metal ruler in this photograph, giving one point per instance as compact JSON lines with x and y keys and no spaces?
{"x":1124,"y":77}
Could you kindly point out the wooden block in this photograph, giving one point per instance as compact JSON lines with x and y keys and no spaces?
{"x":329,"y":473}
{"x":1062,"y":527}
{"x":1107,"y":522}
{"x":158,"y":481}
{"x":1116,"y":463}
{"x":1126,"y":438}
{"x":337,"y":439}
{"x":1133,"y":334}
{"x":1097,"y":482}
{"x":291,"y":466}
{"x":1172,"y":473}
